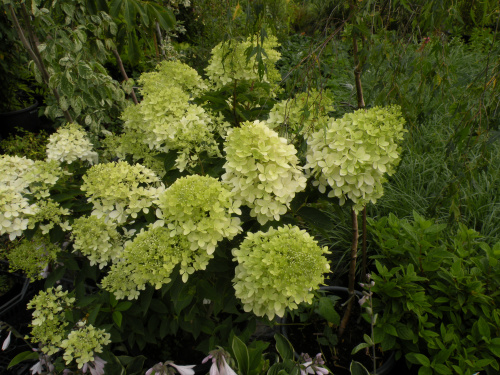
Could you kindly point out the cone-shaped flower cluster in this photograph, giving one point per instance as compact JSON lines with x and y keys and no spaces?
{"x":355,"y":152}
{"x":262,"y":169}
{"x":278,"y":270}
{"x":70,"y":143}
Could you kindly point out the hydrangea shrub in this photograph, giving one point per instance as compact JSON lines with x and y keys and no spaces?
{"x":353,"y":154}
{"x":278,"y":270}
{"x":262,"y":170}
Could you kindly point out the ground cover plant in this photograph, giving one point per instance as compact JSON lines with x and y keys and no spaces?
{"x":225,"y":199}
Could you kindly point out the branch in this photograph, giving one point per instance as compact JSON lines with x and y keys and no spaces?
{"x":124,"y":73}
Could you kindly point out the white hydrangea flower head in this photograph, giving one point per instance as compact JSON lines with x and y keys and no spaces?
{"x":83,"y":342}
{"x":97,"y":239}
{"x":306,"y":113}
{"x":229,"y":62}
{"x":262,"y":170}
{"x":70,"y":143}
{"x":150,"y":259}
{"x":354,"y":153}
{"x":15,"y":210}
{"x":277,"y":270}
{"x":200,"y":208}
{"x":120,"y":191}
{"x":13,"y":170}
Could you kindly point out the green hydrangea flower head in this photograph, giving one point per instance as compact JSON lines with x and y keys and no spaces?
{"x":150,"y":259}
{"x":15,"y":210}
{"x":278,"y":270}
{"x":229,"y":62}
{"x":354,"y":153}
{"x":166,"y":119}
{"x":173,"y":74}
{"x":304,"y":114}
{"x":262,"y":170}
{"x":200,"y":208}
{"x":48,"y":326}
{"x":32,"y":256}
{"x":48,"y":214}
{"x":83,"y":342}
{"x":120,"y":190}
{"x":97,"y":239}
{"x":70,"y":143}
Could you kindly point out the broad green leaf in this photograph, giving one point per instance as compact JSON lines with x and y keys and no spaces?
{"x":117,"y":318}
{"x":283,"y":346}
{"x":418,"y":359}
{"x":327,"y":310}
{"x":24,"y":356}
{"x":358,"y":369}
{"x":240,"y":351}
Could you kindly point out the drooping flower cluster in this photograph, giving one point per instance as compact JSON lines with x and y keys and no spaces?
{"x":355,"y":152}
{"x":32,"y":256}
{"x":97,"y":239}
{"x":48,"y":324}
{"x":229,"y":62}
{"x":83,"y":342}
{"x":120,"y":190}
{"x":262,"y":170}
{"x":70,"y":143}
{"x":200,"y":208}
{"x":167,"y":120}
{"x":304,"y":114}
{"x":150,"y":259}
{"x":278,"y":270}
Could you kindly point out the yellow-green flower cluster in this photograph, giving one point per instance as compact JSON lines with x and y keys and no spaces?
{"x":14,"y":212}
{"x":304,"y":114}
{"x":120,"y":190}
{"x":166,"y":119}
{"x":150,"y":259}
{"x":83,"y":342}
{"x":200,"y":208}
{"x":262,"y":170}
{"x":229,"y":62}
{"x":354,"y":153}
{"x":42,"y":176}
{"x":70,"y":143}
{"x":278,"y":270}
{"x":32,"y":256}
{"x":48,"y":324}
{"x":97,"y":239}
{"x":48,"y":214}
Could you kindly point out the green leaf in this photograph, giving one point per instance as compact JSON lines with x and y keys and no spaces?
{"x":315,"y":217}
{"x":114,"y":9}
{"x":358,"y":347}
{"x":358,"y":369}
{"x":54,"y":276}
{"x":442,"y":369}
{"x":123,"y":306}
{"x":165,"y":17}
{"x":133,"y":47}
{"x":424,"y":371}
{"x":418,"y":359}
{"x":158,"y":306}
{"x":484,"y":329}
{"x":327,"y":310}
{"x":283,"y":346}
{"x":240,"y":351}
{"x":117,"y":318}
{"x":129,"y":15}
{"x":24,"y":356}
{"x":93,"y":314}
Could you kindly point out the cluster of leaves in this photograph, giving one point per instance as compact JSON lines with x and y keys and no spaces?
{"x":436,"y":296}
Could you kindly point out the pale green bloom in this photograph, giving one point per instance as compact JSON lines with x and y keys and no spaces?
{"x":32,"y":256}
{"x":262,"y":170}
{"x":70,"y":143}
{"x":200,"y":208}
{"x":83,"y":342}
{"x":150,"y":259}
{"x":120,"y":191}
{"x":229,"y":62}
{"x":97,"y":239}
{"x":278,"y":270}
{"x":353,"y":154}
{"x":48,"y":324}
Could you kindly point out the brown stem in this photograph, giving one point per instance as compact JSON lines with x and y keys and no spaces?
{"x":357,"y":73}
{"x":35,"y":56}
{"x":352,"y":273}
{"x":124,"y":73}
{"x":363,"y":246}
